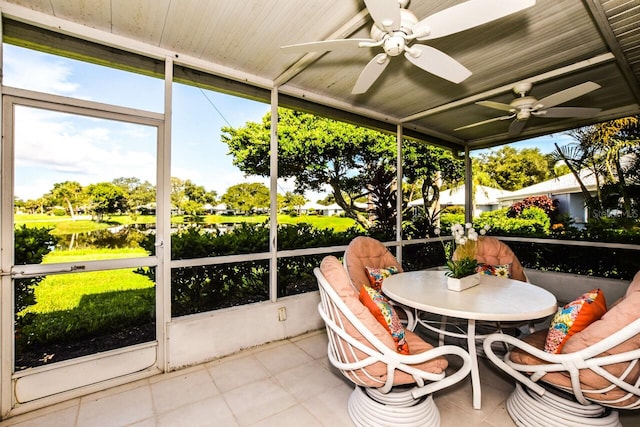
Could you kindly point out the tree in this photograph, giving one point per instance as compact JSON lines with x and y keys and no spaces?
{"x":106,"y":198}
{"x":247,"y":197}
{"x":514,"y":169}
{"x":291,"y":201}
{"x":138,"y":193}
{"x":426,"y":168}
{"x":354,"y":162}
{"x":189,"y":197}
{"x":600,"y":149}
{"x":69,"y":194}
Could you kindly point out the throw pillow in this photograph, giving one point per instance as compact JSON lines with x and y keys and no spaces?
{"x":384,"y":313}
{"x":573,"y":318}
{"x":503,"y":270}
{"x":377,"y":275}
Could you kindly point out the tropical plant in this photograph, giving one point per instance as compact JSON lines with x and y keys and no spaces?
{"x":462,"y":262}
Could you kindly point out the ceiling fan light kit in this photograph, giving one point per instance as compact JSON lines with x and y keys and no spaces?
{"x":395,"y":28}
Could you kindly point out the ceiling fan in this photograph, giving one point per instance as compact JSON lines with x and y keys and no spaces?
{"x":395,"y":28}
{"x":525,"y":106}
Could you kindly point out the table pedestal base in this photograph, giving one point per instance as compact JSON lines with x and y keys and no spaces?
{"x":368,"y":407}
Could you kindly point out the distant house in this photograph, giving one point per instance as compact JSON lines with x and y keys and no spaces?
{"x":486,"y":198}
{"x":565,"y":189}
{"x":310,"y":207}
{"x":220,"y":209}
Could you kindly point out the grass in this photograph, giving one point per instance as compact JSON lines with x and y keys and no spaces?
{"x":71,"y":307}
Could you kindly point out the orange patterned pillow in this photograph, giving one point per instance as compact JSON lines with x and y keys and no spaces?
{"x":573,"y":318}
{"x":384,"y":313}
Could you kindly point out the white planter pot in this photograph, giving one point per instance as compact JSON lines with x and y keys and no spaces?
{"x":463,"y":283}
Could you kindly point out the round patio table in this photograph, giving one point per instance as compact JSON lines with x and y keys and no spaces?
{"x":494,"y":299}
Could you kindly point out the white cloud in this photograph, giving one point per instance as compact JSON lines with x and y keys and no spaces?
{"x":37,"y":73}
{"x":53,"y":148}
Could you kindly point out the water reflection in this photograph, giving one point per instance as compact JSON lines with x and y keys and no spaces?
{"x":126,"y":236}
{"x":122,"y":236}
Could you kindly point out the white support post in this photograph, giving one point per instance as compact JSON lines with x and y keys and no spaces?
{"x":273,"y":192}
{"x":399,"y":173}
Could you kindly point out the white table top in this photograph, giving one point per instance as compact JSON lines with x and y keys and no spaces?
{"x":495,"y":298}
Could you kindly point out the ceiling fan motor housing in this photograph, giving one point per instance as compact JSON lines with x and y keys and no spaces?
{"x":395,"y":41}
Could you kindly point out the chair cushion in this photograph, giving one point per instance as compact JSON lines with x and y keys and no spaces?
{"x":503,"y":270}
{"x":376,"y":373}
{"x":492,"y":251}
{"x":366,"y":251}
{"x":574,"y":317}
{"x":384,"y":313}
{"x":377,"y":275}
{"x":617,"y":317}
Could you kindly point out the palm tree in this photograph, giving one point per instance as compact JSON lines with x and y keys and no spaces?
{"x":600,"y":148}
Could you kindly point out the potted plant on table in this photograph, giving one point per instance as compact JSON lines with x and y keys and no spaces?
{"x":462,"y":265}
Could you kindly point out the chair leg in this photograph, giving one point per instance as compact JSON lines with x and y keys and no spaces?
{"x":370,"y":408}
{"x":528,"y":409}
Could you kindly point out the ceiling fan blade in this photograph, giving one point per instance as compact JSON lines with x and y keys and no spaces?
{"x":567,"y":94}
{"x":567,"y":112}
{"x":385,"y":13}
{"x":516,"y":126}
{"x":467,"y":15}
{"x":370,"y":73}
{"x":324,"y":45}
{"x":436,"y":62}
{"x":495,"y":105}
{"x":495,"y":119}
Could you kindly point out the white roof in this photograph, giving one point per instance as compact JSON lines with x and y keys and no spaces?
{"x":312,"y":205}
{"x":455,"y":196}
{"x":559,"y":185}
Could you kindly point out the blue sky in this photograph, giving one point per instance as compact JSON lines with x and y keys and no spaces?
{"x":80,"y":150}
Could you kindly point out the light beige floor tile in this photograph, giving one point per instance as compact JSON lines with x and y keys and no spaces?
{"x":236,"y":372}
{"x":314,"y":344}
{"x":208,"y":412}
{"x":179,"y":390}
{"x":296,"y":416}
{"x":120,"y":409}
{"x":281,"y":358}
{"x":308,"y":380}
{"x":257,"y":401}
{"x":453,"y":416}
{"x":148,"y":422}
{"x":62,"y":418}
{"x":331,"y":406}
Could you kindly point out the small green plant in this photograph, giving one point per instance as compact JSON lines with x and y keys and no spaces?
{"x":462,"y":262}
{"x":461,"y":268}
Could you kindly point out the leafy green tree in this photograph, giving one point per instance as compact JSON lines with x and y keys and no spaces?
{"x":355,"y":163}
{"x":68,"y":194}
{"x":514,"y":169}
{"x":138,"y":193}
{"x":319,"y":153}
{"x":190,"y":198}
{"x":600,"y":148}
{"x":106,"y":198}
{"x":247,"y":197}
{"x":291,"y":201}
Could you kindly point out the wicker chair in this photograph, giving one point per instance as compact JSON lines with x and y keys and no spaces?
{"x":390,"y":388}
{"x":596,"y":373}
{"x":364,"y":252}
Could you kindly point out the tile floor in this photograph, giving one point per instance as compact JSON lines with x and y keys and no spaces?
{"x":286,"y":383}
